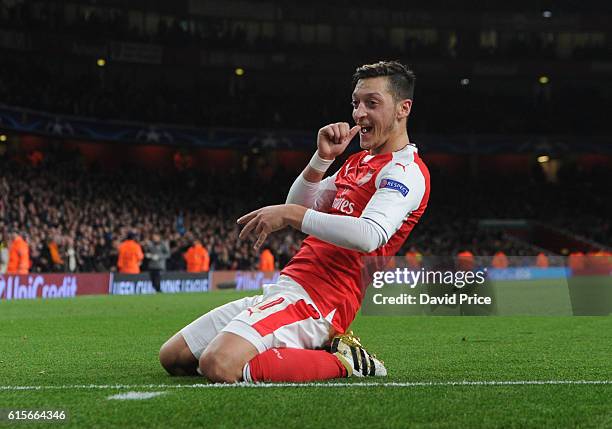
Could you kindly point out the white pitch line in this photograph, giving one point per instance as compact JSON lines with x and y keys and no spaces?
{"x":134,"y":396}
{"x":317,"y":384}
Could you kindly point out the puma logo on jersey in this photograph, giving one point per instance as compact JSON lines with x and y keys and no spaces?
{"x":402,"y":165}
{"x":344,"y":205}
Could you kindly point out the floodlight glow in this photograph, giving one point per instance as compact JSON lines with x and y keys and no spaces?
{"x":542,"y":159}
{"x":239,"y":71}
{"x":543,"y":80}
{"x":101,"y":62}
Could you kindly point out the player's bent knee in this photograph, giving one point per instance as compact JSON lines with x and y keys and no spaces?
{"x":176,"y":358}
{"x":220,"y":368}
{"x":225,"y":357}
{"x":168,"y":359}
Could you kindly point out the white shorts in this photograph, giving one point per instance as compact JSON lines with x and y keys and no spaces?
{"x":284,"y":316}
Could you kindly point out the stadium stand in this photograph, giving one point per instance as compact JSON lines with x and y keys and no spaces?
{"x":489,"y":81}
{"x":62,"y":201}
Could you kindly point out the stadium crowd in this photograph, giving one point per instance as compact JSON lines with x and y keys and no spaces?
{"x":74,"y":217}
{"x":64,"y":209}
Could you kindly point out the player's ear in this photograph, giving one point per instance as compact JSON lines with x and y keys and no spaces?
{"x":404,"y":108}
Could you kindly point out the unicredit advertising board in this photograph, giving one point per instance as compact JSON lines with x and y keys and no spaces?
{"x":32,"y":286}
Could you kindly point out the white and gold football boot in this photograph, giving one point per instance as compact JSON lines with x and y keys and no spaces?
{"x":358,"y":362}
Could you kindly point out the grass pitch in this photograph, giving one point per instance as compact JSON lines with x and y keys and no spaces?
{"x":72,"y":348}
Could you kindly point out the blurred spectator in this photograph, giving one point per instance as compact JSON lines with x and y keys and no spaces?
{"x":465,"y":260}
{"x":413,"y":259}
{"x":576,"y":261}
{"x":130,"y":255}
{"x":599,"y":262}
{"x":541,"y":260}
{"x":266,"y":260}
{"x":71,"y":264}
{"x":390,"y":263}
{"x":19,"y":255}
{"x":197,"y":258}
{"x":4,"y":253}
{"x":57,"y":263}
{"x":500,"y":260}
{"x":157,"y":253}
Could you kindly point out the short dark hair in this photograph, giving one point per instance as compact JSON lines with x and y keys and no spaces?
{"x":401,"y":78}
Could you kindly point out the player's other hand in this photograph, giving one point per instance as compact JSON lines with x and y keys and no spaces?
{"x":333,"y":139}
{"x":263,"y":222}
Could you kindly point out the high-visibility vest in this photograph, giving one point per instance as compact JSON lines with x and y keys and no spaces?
{"x":266,"y":261}
{"x":197,"y":259}
{"x":130,"y":257}
{"x":19,"y":257}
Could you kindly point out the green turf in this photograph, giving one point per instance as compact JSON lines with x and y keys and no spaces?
{"x":115,"y":339}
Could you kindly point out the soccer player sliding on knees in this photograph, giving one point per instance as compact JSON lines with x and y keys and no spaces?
{"x":298,"y":329}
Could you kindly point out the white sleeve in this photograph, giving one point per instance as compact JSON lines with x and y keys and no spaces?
{"x":318,"y":195}
{"x":350,"y":232}
{"x":398,"y":194}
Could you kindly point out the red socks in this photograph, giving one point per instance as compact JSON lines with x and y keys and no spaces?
{"x":294,"y":365}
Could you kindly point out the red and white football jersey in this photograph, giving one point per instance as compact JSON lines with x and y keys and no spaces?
{"x":390,"y":190}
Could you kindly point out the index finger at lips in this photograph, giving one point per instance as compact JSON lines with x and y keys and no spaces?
{"x":349,"y":134}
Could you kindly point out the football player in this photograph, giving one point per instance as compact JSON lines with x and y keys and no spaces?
{"x":297,"y":330}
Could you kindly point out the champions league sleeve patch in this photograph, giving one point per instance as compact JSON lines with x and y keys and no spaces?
{"x":395,"y":185}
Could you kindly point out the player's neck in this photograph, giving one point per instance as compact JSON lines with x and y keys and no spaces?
{"x":393,"y":144}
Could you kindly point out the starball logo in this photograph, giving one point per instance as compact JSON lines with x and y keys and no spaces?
{"x":395,"y":185}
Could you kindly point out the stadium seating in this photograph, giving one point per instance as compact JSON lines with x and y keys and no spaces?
{"x":92,"y":210}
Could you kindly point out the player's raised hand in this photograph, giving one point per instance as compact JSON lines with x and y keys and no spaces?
{"x":333,"y":139}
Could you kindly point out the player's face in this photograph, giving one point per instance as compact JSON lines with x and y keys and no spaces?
{"x":376,"y":111}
